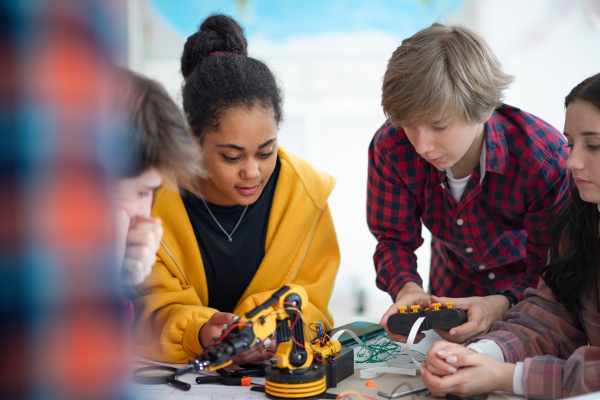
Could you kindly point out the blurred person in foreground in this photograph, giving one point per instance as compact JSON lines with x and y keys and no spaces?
{"x":484,"y":177}
{"x":157,"y":143}
{"x":65,"y":328}
{"x":548,"y":346}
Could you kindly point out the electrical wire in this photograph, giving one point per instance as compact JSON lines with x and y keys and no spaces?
{"x":352,"y":393}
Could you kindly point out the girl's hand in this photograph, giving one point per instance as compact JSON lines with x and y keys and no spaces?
{"x":213,"y":329}
{"x":476,"y":374}
{"x":261,"y":352}
{"x":442,"y":357}
{"x":221,"y":321}
{"x":482,"y":312}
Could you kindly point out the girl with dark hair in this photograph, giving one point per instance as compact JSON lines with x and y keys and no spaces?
{"x":548,"y":346}
{"x":257,"y":220}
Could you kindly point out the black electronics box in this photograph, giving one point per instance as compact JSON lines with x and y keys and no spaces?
{"x":339,"y":367}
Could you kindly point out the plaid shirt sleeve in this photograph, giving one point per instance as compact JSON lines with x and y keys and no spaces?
{"x":393,"y":217}
{"x":553,"y":345}
{"x":546,"y":195}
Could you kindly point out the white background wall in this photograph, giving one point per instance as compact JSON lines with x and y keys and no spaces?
{"x":332,"y":86}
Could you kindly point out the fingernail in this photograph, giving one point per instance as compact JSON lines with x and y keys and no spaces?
{"x":236,"y":318}
{"x":441,"y":352}
{"x":451,"y":359}
{"x":421,"y":369}
{"x":451,"y":370}
{"x":267,"y":342}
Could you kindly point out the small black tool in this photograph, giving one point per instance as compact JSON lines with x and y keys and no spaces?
{"x":159,"y":374}
{"x":451,"y":396}
{"x":225,"y":380}
{"x":401,"y":323}
{"x":246,"y":370}
{"x":402,"y":394}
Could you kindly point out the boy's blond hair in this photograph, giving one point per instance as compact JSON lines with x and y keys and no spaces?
{"x":441,"y":71}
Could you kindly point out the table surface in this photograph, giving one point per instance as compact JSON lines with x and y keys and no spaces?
{"x":386,"y":383}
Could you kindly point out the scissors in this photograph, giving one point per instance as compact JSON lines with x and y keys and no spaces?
{"x":159,"y":374}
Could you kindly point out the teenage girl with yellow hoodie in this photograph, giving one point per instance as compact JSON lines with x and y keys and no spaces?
{"x":257,"y":220}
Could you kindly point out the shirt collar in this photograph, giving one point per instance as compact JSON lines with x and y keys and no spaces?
{"x":494,"y":152}
{"x":495,"y":144}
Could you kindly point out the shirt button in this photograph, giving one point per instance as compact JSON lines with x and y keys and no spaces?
{"x":491,"y":275}
{"x":459,"y":222}
{"x":469,"y":249}
{"x":443,"y":185}
{"x":482,"y":267}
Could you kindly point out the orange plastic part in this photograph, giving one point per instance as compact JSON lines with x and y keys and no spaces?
{"x":246,"y":381}
{"x":370,"y":383}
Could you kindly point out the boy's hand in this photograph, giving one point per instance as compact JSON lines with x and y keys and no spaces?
{"x":143,"y":240}
{"x":482,"y":312}
{"x":410,"y":294}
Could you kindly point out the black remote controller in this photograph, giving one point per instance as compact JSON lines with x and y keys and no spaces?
{"x":447,"y":318}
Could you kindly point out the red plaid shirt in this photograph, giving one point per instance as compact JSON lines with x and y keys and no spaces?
{"x":496,"y":237}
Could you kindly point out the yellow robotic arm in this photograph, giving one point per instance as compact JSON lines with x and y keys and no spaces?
{"x":297,"y":373}
{"x":282,"y":312}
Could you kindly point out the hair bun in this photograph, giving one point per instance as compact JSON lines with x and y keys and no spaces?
{"x":217,"y":33}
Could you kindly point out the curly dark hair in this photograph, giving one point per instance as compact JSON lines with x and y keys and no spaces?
{"x":219,"y":76}
{"x":574,"y":246}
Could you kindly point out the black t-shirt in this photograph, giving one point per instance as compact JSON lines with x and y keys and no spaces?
{"x":231,"y":266}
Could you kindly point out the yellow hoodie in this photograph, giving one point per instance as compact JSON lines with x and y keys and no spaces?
{"x":301,"y":247}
